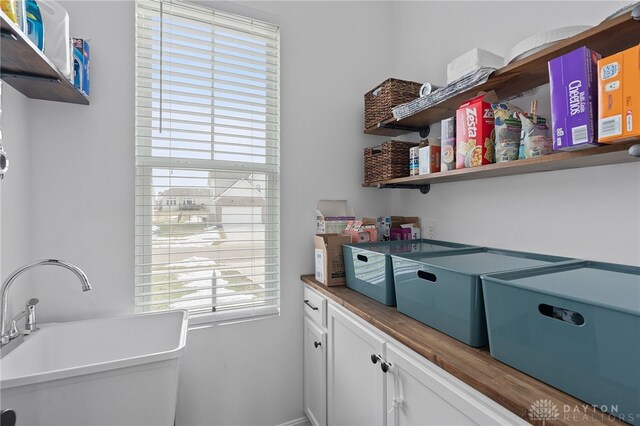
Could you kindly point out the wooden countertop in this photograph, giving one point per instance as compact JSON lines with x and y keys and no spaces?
{"x":507,"y":386}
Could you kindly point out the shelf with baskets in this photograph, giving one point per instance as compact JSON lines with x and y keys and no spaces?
{"x":607,"y":38}
{"x":29,"y":71}
{"x":597,"y":156}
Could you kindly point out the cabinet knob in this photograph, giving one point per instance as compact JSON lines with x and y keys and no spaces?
{"x":375,"y":358}
{"x":316,"y":344}
{"x":385,"y":366}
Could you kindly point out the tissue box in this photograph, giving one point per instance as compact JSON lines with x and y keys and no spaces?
{"x":329,"y":261}
{"x":573,"y":79}
{"x":332,"y":216}
{"x":619,"y":89}
{"x":471,"y":61}
{"x":81,"y":65}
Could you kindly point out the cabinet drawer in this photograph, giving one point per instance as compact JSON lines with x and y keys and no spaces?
{"x":315,"y":306}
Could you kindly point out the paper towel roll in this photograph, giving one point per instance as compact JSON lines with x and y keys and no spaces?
{"x":426,"y":89}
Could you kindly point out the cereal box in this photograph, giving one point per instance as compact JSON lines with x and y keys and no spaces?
{"x":448,"y":144}
{"x":619,"y":90}
{"x":474,"y":133}
{"x":573,"y":81}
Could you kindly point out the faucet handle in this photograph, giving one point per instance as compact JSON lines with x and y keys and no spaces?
{"x":13,"y":331}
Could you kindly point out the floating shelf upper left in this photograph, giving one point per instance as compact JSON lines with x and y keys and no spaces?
{"x":29,"y":71}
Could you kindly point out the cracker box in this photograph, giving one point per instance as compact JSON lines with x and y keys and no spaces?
{"x":448,"y":144}
{"x":574,"y":106}
{"x":619,"y":91}
{"x":475,"y":133}
{"x":329,"y":261}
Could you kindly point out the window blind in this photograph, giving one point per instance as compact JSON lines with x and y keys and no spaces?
{"x":207,"y":162}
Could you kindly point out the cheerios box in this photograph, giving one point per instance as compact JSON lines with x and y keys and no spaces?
{"x":574,"y":107}
{"x":619,"y":90}
{"x":475,"y":132}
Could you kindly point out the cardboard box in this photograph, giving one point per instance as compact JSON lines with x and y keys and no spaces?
{"x":81,"y":65}
{"x":329,"y":262}
{"x":448,"y":144}
{"x":619,"y":90}
{"x":332,"y":216}
{"x":430,"y":157}
{"x":475,"y":132}
{"x":362,"y":231}
{"x":574,"y":102}
{"x":384,"y":225}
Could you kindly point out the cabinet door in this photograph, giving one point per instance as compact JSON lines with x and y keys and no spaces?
{"x":355,"y":385}
{"x":315,"y":373}
{"x":431,"y":396}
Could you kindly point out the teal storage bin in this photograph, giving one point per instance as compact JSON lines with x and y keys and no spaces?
{"x":574,"y":326}
{"x":368,"y":266}
{"x":443,"y":290}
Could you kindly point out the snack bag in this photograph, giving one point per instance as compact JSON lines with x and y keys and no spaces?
{"x":507,"y":131}
{"x":536,"y":136}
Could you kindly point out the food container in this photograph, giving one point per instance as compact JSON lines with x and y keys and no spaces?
{"x":575,"y":326}
{"x":369,"y":270}
{"x":443,"y":290}
{"x":448,"y":144}
{"x":474,"y":133}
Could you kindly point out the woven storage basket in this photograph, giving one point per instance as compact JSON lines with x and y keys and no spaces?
{"x":379,"y":102}
{"x":387,"y":161}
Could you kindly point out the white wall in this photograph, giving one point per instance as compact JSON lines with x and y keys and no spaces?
{"x":82,"y":193}
{"x":15,"y":211}
{"x":587,"y":213}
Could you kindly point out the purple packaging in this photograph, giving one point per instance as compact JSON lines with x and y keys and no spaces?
{"x":574,"y":102}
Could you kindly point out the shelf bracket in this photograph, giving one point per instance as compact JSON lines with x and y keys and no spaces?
{"x":635,"y":14}
{"x":423,"y":131}
{"x":8,"y":34}
{"x":28,"y":76}
{"x":634,"y":151}
{"x":424,"y":189}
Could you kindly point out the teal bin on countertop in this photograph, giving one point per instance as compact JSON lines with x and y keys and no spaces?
{"x":443,"y":290}
{"x":574,"y":326}
{"x":368,"y":266}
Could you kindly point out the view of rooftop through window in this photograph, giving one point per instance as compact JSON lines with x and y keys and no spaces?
{"x":207,"y":153}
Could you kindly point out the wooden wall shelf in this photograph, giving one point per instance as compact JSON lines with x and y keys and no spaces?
{"x":606,"y":38}
{"x":598,"y":156}
{"x":28,"y":70}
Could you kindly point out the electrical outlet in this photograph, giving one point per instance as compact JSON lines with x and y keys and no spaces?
{"x":431,"y":230}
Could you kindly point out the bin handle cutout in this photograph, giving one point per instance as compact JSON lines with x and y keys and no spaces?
{"x":428,"y":276}
{"x":362,"y":257}
{"x":561,"y":314}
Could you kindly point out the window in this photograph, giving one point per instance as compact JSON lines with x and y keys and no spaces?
{"x":207,"y":162}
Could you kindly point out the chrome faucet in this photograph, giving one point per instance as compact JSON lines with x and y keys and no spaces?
{"x":5,"y":334}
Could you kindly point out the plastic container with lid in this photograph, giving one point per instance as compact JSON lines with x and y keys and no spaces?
{"x":443,"y":290}
{"x":369,"y":270}
{"x":574,"y":326}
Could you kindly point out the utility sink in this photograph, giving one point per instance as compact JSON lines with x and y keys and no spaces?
{"x":117,"y":371}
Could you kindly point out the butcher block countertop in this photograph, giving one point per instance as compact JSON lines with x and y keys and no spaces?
{"x":507,"y":386}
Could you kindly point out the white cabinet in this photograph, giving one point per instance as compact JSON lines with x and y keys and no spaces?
{"x":344,"y":387}
{"x":355,"y":385}
{"x":315,"y":373}
{"x":427,"y":395}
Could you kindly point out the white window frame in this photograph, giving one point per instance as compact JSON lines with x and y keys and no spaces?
{"x":144,"y":225}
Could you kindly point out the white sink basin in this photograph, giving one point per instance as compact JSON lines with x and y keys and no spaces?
{"x":104,"y":371}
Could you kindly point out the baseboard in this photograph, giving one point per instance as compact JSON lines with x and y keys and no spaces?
{"x":302,"y":421}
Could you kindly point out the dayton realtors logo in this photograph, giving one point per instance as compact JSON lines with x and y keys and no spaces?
{"x":544,"y":410}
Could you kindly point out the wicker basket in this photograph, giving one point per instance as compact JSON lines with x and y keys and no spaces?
{"x":387,"y":161}
{"x":379,"y":102}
